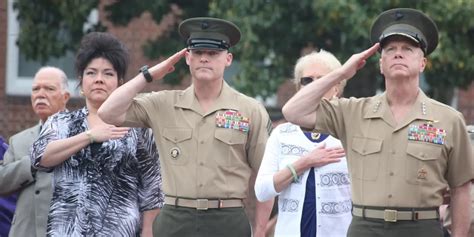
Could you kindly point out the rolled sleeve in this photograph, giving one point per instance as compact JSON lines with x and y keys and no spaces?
{"x":137,"y":115}
{"x":330,"y":117}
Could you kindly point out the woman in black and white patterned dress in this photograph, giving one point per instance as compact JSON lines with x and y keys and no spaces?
{"x":107,"y":179}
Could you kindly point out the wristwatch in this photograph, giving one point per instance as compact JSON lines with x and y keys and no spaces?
{"x":146,"y":73}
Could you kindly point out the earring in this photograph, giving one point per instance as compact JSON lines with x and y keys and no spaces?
{"x":81,"y":92}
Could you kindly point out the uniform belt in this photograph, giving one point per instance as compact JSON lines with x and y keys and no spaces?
{"x":394,"y":215}
{"x":203,"y":204}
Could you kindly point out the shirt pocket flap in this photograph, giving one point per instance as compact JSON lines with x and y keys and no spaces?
{"x":230,"y":136}
{"x":366,"y":146}
{"x":423,"y":151}
{"x":177,"y":135}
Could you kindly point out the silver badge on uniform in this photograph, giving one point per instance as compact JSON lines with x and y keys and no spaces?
{"x":174,"y":152}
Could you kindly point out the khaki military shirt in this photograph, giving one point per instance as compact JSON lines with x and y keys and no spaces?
{"x":204,"y":154}
{"x":399,"y":165}
{"x":447,"y":222}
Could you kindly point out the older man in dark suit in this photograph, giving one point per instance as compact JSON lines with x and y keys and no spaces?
{"x":48,"y":95}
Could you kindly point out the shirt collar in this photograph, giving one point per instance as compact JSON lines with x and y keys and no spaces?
{"x":378,"y":108}
{"x":226,"y":99}
{"x":378,"y":105}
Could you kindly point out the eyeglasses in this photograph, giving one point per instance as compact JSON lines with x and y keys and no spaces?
{"x":306,"y":80}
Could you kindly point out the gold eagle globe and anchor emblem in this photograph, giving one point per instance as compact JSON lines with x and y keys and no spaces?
{"x":315,"y":135}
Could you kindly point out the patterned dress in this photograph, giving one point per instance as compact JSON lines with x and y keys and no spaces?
{"x":103,"y":188}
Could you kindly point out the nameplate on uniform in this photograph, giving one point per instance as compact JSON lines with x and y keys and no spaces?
{"x":427,"y":133}
{"x":232,"y":119}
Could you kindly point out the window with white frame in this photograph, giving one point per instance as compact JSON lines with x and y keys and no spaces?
{"x":20,"y":71}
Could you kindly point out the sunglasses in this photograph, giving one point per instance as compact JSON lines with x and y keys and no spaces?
{"x":306,"y":80}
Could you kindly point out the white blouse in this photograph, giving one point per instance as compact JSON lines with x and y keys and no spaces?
{"x":286,"y":144}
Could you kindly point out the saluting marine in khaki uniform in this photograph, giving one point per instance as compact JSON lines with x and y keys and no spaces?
{"x":210,"y":137}
{"x":403,"y":148}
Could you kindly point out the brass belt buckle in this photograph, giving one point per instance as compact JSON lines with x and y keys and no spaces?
{"x":390,"y":215}
{"x":202,"y":204}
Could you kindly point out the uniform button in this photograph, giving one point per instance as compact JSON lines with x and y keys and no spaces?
{"x":202,"y":142}
{"x":393,"y":152}
{"x":390,"y":196}
{"x":200,"y":185}
{"x":37,"y":192}
{"x":201,"y":163}
{"x":363,"y":150}
{"x":391,"y":173}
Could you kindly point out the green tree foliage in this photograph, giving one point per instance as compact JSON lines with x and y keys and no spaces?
{"x":50,"y":28}
{"x":274,"y":34}
{"x":122,"y":12}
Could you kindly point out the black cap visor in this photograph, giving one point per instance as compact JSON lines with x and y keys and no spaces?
{"x":406,"y":31}
{"x":207,"y":44}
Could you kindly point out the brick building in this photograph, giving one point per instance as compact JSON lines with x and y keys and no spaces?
{"x":16,"y":113}
{"x":15,"y":108}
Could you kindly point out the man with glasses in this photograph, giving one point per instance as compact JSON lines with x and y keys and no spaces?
{"x":403,"y":148}
{"x":211,"y":138}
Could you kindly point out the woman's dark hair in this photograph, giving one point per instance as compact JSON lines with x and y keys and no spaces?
{"x":102,"y":45}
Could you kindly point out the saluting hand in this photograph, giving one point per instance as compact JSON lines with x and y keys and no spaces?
{"x":161,"y":69}
{"x":104,"y":132}
{"x":357,"y":61}
{"x":322,"y":156}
